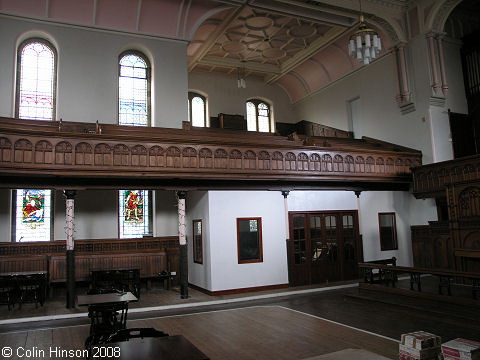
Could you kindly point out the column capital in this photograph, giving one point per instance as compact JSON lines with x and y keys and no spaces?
{"x":357,"y":193}
{"x":69,"y":194}
{"x":285,"y":193}
{"x":181,"y":194}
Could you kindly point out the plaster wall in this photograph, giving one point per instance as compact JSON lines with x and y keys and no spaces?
{"x":224,"y":208}
{"x":198,"y":209}
{"x":223,"y":95}
{"x":87,"y":73}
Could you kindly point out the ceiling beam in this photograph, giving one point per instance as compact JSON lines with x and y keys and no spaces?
{"x":212,"y":39}
{"x":236,"y":63}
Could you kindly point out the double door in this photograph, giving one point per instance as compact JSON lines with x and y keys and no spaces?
{"x":324,"y":246}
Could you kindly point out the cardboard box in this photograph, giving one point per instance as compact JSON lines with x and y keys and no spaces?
{"x":416,"y":354}
{"x":461,"y":349}
{"x":420,"y":340}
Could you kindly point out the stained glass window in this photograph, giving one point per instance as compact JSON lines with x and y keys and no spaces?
{"x":258,"y":116}
{"x":197,"y":113}
{"x":36,"y":80}
{"x":134,"y":217}
{"x":134,"y":90}
{"x":32,"y":215}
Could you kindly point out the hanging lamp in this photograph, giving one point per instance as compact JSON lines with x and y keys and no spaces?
{"x":364,"y":44}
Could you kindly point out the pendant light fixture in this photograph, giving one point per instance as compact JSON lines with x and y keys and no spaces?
{"x":364,"y":44}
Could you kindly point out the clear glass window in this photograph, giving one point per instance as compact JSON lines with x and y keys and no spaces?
{"x":258,"y":116}
{"x":134,"y":90}
{"x":36,"y":80}
{"x":197,"y":112}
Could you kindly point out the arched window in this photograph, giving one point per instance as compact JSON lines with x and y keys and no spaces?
{"x":134,"y":89}
{"x":36,"y":80}
{"x":197,"y":109}
{"x":35,"y":100}
{"x":258,"y":116}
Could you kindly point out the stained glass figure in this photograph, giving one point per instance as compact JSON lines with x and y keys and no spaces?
{"x":134,"y":213}
{"x":33,"y":208}
{"x":133,"y":102}
{"x":36,"y":81}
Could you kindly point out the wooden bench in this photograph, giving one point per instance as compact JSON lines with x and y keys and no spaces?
{"x":383,"y":274}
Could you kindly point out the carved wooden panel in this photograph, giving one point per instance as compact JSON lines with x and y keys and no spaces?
{"x":224,"y":153}
{"x":5,"y":150}
{"x":431,"y":180}
{"x":63,"y":153}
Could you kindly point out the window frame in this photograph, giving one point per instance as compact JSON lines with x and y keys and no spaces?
{"x":191,"y":95}
{"x":149,"y":85}
{"x":256,"y":103}
{"x":18,"y":74}
{"x":394,"y":232}
{"x":260,"y":240}
{"x":197,"y":258}
{"x":14,"y":216}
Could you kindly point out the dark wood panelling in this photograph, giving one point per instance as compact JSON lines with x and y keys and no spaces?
{"x":62,"y":150}
{"x":431,"y":180}
{"x":150,"y":264}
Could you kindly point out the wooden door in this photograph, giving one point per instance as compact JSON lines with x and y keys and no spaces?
{"x":323,"y":246}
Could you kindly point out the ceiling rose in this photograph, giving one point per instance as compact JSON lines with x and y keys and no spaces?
{"x":302,"y":31}
{"x":233,"y":47}
{"x":273,"y":53}
{"x":258,"y":23}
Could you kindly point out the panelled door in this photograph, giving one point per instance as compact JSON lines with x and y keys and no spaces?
{"x":323,"y":246}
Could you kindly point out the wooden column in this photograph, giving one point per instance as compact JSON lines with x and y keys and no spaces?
{"x":70,"y":260}
{"x":287,"y":233}
{"x":182,"y":238}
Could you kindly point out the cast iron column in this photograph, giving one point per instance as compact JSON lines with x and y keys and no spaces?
{"x":287,"y":234}
{"x":70,"y":228}
{"x":182,"y":238}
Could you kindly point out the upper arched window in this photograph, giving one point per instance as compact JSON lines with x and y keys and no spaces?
{"x":134,"y":89}
{"x":36,"y":80}
{"x":258,"y":116}
{"x":197,"y":109}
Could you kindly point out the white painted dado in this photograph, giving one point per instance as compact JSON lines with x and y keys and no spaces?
{"x":224,"y":208}
{"x":197,"y":209}
{"x":88,"y":72}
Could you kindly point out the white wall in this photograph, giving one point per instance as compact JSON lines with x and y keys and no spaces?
{"x":88,"y":71}
{"x":408,"y":211}
{"x":165,"y":214}
{"x":5,"y":213}
{"x":224,"y":208}
{"x":223,"y":95}
{"x":197,"y":209}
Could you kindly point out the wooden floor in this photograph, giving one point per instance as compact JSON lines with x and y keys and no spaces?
{"x":256,"y":333}
{"x":291,"y":325}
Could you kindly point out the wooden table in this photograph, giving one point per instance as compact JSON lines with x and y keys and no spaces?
{"x":174,"y":347}
{"x":100,"y":299}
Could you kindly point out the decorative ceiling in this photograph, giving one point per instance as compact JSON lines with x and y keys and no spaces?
{"x":300,"y":45}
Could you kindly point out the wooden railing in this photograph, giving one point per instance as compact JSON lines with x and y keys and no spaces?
{"x":430,"y":180}
{"x":388,"y":275}
{"x":54,"y":150}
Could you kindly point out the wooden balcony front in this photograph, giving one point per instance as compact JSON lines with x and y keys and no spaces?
{"x":431,"y":180}
{"x":89,"y":155}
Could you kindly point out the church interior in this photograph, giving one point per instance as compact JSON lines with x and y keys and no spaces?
{"x":219,"y":169}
